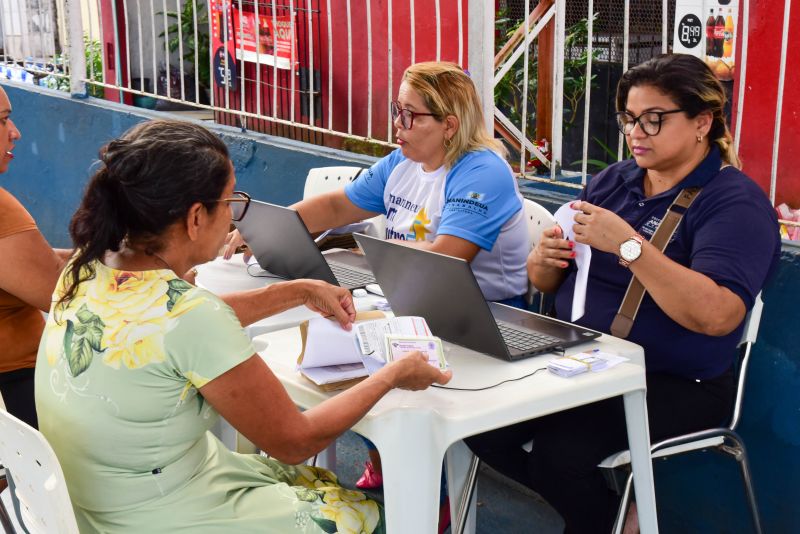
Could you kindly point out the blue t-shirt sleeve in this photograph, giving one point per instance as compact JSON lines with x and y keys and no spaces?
{"x":739,"y":242}
{"x":479,"y":198}
{"x":366,"y":191}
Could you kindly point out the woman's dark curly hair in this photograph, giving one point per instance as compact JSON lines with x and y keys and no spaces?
{"x":147,"y":180}
{"x":690,"y":83}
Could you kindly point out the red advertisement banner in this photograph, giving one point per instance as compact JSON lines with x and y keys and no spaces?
{"x":270,"y":41}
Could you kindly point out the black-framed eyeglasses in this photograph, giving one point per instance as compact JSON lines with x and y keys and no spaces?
{"x":649,"y":121}
{"x":238,"y":203}
{"x":406,"y":115}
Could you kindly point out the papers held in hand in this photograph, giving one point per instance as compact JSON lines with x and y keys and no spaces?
{"x":334,"y":358}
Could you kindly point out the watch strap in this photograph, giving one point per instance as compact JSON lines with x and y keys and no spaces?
{"x":623,"y":321}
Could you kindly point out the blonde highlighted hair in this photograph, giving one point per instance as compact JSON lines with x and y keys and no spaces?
{"x":448,"y":90}
{"x":694,"y":88}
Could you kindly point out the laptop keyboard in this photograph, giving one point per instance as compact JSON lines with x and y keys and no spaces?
{"x":350,"y":276}
{"x":524,"y":340}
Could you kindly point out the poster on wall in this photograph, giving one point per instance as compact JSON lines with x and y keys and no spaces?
{"x":707,"y":29}
{"x":222,"y":43}
{"x":269,"y":40}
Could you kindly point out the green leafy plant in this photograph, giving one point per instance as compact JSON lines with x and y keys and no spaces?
{"x":94,"y":66}
{"x":94,"y":70}
{"x":181,"y":29}
{"x":575,"y":69}
{"x":508,"y":93}
{"x":612,"y":155}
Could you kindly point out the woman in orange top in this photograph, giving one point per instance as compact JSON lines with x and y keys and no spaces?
{"x":28,"y":273}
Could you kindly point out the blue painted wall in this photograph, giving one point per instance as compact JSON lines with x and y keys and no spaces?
{"x":61,"y":137}
{"x":701,"y":492}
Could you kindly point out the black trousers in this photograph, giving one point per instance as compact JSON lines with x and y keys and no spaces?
{"x":17,"y":390}
{"x":567,"y":446}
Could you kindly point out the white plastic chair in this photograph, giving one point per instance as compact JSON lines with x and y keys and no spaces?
{"x":39,"y":485}
{"x":537,"y":218}
{"x":724,"y":439}
{"x":326,"y":179}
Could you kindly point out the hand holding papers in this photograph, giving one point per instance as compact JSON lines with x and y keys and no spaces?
{"x":565,"y":218}
{"x":334,"y":358}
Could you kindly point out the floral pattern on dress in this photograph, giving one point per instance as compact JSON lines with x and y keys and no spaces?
{"x":138,"y":310}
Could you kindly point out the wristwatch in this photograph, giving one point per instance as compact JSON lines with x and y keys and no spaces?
{"x":630,"y":250}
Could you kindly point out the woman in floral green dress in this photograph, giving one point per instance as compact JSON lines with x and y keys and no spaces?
{"x":136,"y":364}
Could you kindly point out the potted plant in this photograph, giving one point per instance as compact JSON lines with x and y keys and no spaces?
{"x":181,"y":32}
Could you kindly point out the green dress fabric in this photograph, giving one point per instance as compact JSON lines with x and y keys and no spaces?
{"x":117,"y":379}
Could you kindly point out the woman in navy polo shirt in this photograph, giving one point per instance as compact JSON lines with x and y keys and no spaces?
{"x":698,"y":290}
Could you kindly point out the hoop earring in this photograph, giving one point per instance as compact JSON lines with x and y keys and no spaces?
{"x":447,"y":143}
{"x":699,"y":138}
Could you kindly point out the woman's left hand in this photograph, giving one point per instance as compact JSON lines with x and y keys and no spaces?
{"x":329,"y":300}
{"x":600,"y":228}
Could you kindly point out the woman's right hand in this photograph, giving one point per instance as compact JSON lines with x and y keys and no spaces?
{"x":553,"y":250}
{"x":233,"y":242}
{"x":413,"y":372}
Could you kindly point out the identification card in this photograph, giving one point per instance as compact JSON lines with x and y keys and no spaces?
{"x":398,"y":346}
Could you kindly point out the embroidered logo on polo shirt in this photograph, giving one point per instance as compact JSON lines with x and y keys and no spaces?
{"x":649,"y":228}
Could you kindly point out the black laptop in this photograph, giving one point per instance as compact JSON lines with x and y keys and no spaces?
{"x":443,"y":290}
{"x":282,"y":245}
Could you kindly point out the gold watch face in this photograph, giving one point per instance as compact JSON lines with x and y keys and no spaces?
{"x":630,"y":250}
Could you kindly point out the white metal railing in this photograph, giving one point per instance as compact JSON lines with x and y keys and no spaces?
{"x":349,"y":65}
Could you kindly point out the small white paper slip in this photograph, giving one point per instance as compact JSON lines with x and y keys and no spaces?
{"x":399,"y":346}
{"x":565,"y":218}
{"x":595,"y":361}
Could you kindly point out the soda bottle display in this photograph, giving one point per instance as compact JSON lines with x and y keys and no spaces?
{"x":727,"y":45}
{"x":719,"y":34}
{"x":711,"y":46}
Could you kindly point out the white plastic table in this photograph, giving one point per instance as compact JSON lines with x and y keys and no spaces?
{"x":413,"y":430}
{"x":226,"y":276}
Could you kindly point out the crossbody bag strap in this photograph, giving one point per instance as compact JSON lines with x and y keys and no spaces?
{"x":623,"y":321}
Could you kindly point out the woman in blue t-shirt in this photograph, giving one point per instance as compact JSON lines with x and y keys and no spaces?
{"x":698,"y":290}
{"x":447,"y":188}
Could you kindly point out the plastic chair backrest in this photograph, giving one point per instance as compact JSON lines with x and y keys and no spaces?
{"x":537,"y":218}
{"x":39,"y":483}
{"x":749,"y":335}
{"x":326,"y":179}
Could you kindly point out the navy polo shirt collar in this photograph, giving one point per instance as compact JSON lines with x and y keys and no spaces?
{"x":699,"y":177}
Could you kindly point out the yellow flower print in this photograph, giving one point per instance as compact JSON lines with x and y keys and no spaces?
{"x":122,"y":315}
{"x":351,"y":511}
{"x":314,"y":477}
{"x":420,"y":225}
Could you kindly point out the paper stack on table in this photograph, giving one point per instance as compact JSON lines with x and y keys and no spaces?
{"x":334,"y":358}
{"x":583,"y":362}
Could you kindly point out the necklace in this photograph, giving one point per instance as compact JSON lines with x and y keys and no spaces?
{"x":158,"y":257}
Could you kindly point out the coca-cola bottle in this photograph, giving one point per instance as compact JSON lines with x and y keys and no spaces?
{"x":719,"y":34}
{"x":711,"y":24}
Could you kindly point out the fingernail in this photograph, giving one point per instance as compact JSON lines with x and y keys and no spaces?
{"x":572,"y":205}
{"x":572,"y":254}
{"x":563,"y":264}
{"x":572,"y":244}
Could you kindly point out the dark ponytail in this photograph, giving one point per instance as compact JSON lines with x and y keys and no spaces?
{"x":148,"y":179}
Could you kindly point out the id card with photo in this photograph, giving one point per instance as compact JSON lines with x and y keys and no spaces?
{"x":398,"y":346}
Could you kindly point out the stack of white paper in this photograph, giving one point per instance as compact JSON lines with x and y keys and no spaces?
{"x":583,"y":362}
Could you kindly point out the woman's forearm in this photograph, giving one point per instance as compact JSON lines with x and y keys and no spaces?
{"x":255,"y":304}
{"x":689,"y":298}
